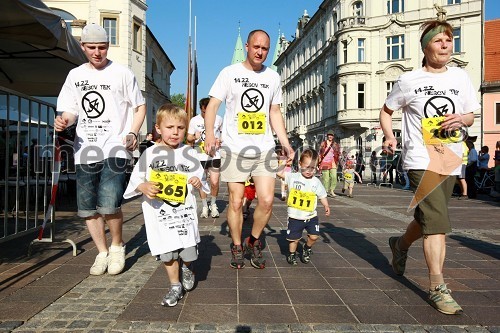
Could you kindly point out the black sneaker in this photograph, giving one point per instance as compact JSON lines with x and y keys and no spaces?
{"x":255,"y":253}
{"x":237,"y":257}
{"x":306,"y":255}
{"x":292,"y":259}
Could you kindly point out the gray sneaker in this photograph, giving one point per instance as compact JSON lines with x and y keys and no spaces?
{"x":441,"y":299}
{"x":172,"y":297}
{"x":187,"y":279}
{"x":398,"y":256}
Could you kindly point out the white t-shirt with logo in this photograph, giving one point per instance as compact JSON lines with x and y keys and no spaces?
{"x":421,"y":94}
{"x":104,"y":101}
{"x":197,"y":124}
{"x":247,"y":94}
{"x":295,"y":181}
{"x":169,"y":226}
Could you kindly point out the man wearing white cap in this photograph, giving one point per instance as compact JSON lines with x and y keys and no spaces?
{"x":105,"y":99}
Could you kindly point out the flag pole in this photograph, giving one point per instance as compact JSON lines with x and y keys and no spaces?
{"x":194,"y":73}
{"x":188,"y":106}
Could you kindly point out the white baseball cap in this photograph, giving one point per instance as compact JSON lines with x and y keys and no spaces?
{"x":94,"y":33}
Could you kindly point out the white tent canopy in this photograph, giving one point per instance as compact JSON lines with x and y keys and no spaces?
{"x":36,"y":49}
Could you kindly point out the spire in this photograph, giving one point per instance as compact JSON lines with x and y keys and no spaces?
{"x":239,"y":54}
{"x":277,"y":50}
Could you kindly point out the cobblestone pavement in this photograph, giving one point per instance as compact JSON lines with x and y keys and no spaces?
{"x":348,"y":286}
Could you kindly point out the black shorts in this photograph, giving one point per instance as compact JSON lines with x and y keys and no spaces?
{"x":296,"y":227}
{"x":211,"y":164}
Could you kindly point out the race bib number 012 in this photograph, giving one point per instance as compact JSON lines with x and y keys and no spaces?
{"x":173,"y":186}
{"x":301,"y":200}
{"x":251,"y":123}
{"x":433,"y":134}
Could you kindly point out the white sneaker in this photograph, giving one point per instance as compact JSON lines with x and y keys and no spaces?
{"x":100,"y":264}
{"x":204,"y":213}
{"x":214,"y":211}
{"x":116,"y":259}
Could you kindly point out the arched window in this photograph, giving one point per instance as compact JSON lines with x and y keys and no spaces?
{"x":357,"y":8}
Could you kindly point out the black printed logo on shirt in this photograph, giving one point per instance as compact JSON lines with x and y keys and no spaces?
{"x":438,"y":106}
{"x":93,"y":104}
{"x":252,"y":100}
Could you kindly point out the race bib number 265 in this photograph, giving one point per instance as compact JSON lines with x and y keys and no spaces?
{"x":173,"y":186}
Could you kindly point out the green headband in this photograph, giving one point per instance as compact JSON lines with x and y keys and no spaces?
{"x":431,"y":33}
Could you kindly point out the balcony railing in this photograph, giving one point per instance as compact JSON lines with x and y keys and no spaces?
{"x":351,"y":21}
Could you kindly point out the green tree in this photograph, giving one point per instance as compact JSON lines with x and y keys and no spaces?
{"x":178,"y":99}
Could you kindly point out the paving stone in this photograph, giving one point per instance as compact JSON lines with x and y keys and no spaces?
{"x":10,"y":325}
{"x":296,"y":328}
{"x":387,"y":328}
{"x":435,"y":329}
{"x":204,"y":328}
{"x":80,"y":324}
{"x":476,"y":329}
{"x":56,"y":324}
{"x":494,"y":329}
{"x":455,"y":329}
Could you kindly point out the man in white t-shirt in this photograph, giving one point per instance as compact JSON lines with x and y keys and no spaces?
{"x":196,"y":138}
{"x":106,"y":100}
{"x":252,"y":94}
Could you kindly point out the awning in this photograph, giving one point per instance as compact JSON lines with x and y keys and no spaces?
{"x":36,"y":49}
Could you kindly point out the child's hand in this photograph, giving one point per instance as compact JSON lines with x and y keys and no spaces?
{"x":361,"y":182}
{"x":149,"y":189}
{"x":327,"y":210}
{"x":195,"y":181}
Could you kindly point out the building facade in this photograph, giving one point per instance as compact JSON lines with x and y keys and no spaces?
{"x":491,"y":88}
{"x":343,"y":61}
{"x":132,"y":44}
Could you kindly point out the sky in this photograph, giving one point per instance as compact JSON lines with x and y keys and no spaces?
{"x":217,"y":24}
{"x":217,"y":30}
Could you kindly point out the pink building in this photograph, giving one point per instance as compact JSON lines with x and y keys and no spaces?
{"x":491,"y":87}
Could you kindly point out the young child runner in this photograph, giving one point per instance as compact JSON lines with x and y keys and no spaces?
{"x":248,"y":197}
{"x":304,"y":191}
{"x":349,"y":178}
{"x":165,"y":176}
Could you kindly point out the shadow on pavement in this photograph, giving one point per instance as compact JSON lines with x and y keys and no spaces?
{"x":490,"y":249}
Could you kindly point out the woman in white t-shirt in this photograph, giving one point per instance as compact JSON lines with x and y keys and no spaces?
{"x":438,"y":104}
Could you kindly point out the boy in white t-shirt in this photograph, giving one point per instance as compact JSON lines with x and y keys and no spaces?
{"x":165,"y":175}
{"x":304,"y":191}
{"x":211,"y":165}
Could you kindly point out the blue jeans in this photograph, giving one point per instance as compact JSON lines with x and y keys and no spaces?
{"x":100,"y":186}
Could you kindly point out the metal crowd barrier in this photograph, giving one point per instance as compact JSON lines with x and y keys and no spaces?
{"x":27,"y":153}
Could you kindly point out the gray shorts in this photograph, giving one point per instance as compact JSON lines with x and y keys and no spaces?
{"x":188,"y":254}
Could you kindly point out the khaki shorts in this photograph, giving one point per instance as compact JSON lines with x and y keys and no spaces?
{"x":237,"y":169}
{"x":432,"y":212}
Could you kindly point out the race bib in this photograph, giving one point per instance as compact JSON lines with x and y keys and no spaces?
{"x":348,"y":176}
{"x":301,"y":200}
{"x":433,"y":134}
{"x":173,"y":186}
{"x":251,"y":123}
{"x":202,"y":146}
